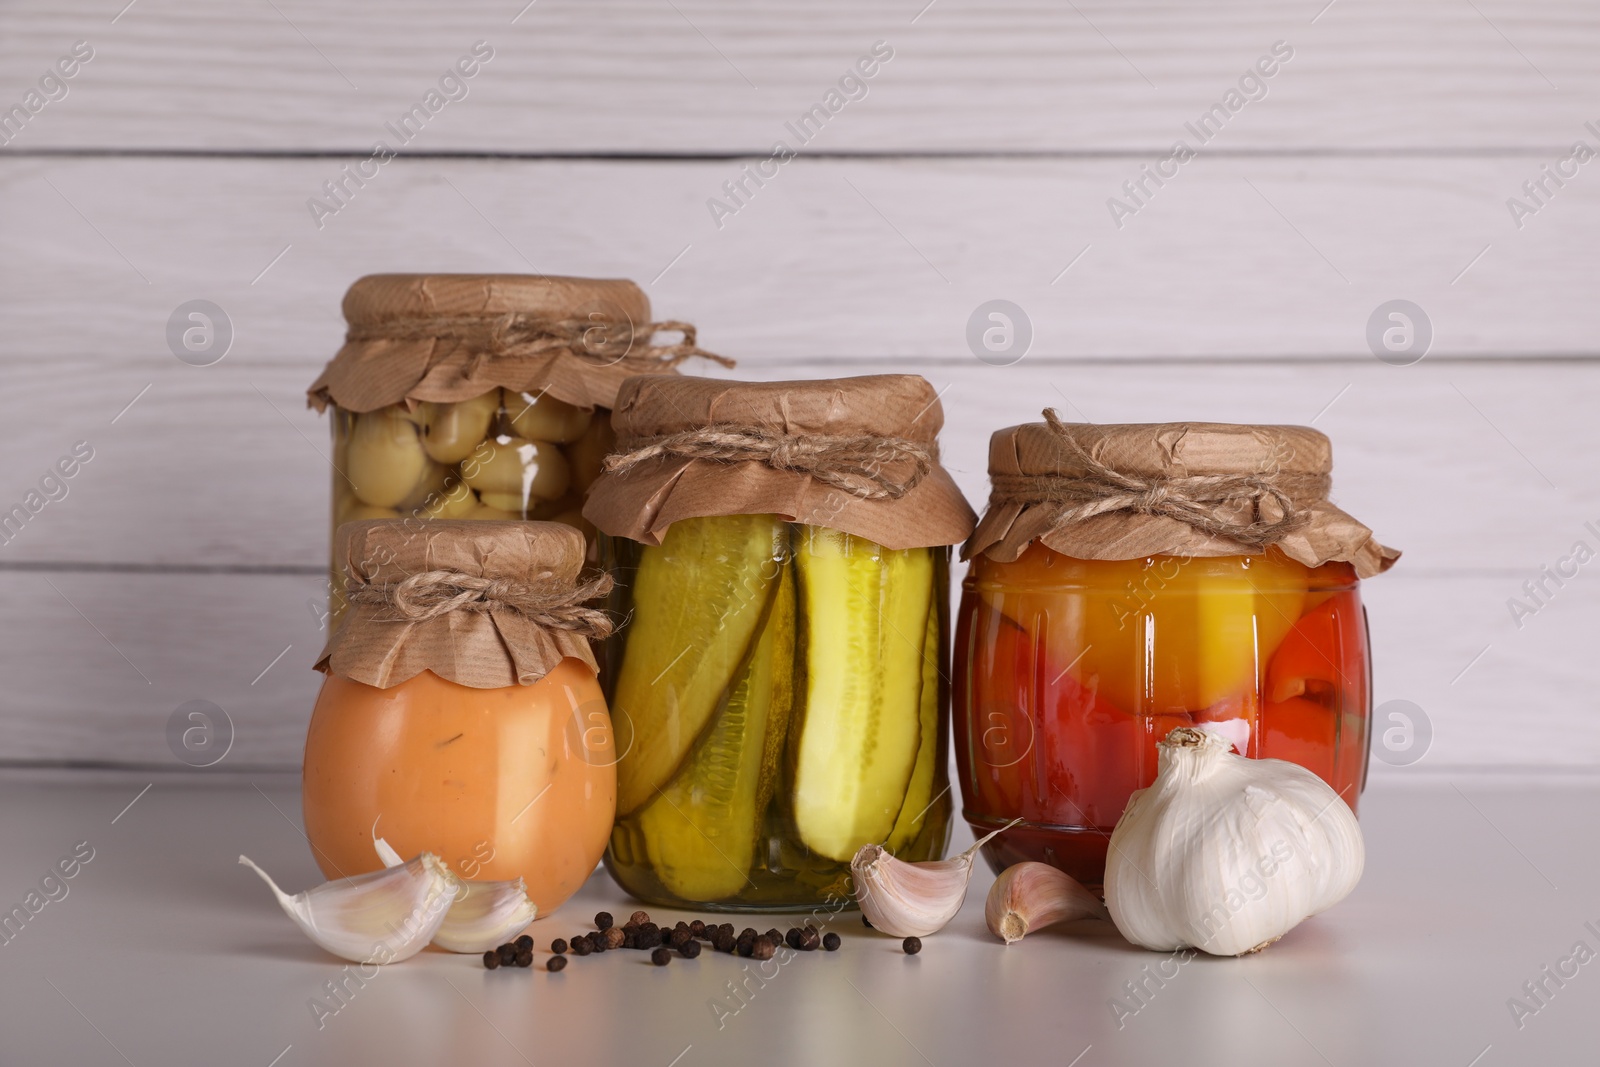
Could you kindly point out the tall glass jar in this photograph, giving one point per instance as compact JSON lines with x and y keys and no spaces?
{"x":475,"y":732}
{"x":1069,"y":669}
{"x":779,"y":686}
{"x":466,"y":396}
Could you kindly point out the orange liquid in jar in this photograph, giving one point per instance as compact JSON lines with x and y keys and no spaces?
{"x":506,"y":783}
{"x":1068,"y":672}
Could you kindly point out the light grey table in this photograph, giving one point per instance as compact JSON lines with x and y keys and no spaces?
{"x":165,"y":952}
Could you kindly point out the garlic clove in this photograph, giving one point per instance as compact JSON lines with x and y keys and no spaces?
{"x":1031,"y":896}
{"x":484,"y":914}
{"x":905,"y":899}
{"x":1227,"y":854}
{"x":382,"y":917}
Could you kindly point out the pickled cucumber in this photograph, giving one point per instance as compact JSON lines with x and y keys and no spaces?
{"x":700,"y":833}
{"x":865,"y":611}
{"x":697,"y":600}
{"x":919,"y":794}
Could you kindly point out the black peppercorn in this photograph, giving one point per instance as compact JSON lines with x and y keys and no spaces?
{"x":507,"y":954}
{"x":792,"y":938}
{"x":598,"y":942}
{"x":491,"y":959}
{"x":689,"y":949}
{"x":661,"y":957}
{"x":523,"y":942}
{"x":831,"y":941}
{"x":747,"y":948}
{"x":724,"y":942}
{"x":603,"y":920}
{"x":630,"y":938}
{"x":524,"y":959}
{"x":866,"y":922}
{"x":912,"y":945}
{"x":555,"y":963}
{"x":762,"y":948}
{"x":613,"y":937}
{"x":558,"y":946}
{"x":728,"y":927}
{"x":580,"y":947}
{"x":697,"y":928}
{"x":679,"y":938}
{"x":639,"y":917}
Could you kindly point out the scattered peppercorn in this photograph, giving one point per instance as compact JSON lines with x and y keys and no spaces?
{"x":747,"y":948}
{"x":598,"y":942}
{"x":603,"y":920}
{"x":559,"y":946}
{"x":831,"y":941}
{"x":555,"y":963}
{"x":810,"y":940}
{"x":697,"y":928}
{"x":639,"y":917}
{"x":689,"y":949}
{"x":775,"y":936}
{"x":762,"y":948}
{"x":491,"y":959}
{"x":581,"y":948}
{"x":912,"y":945}
{"x":630,"y":937}
{"x":866,"y":922}
{"x":661,"y":957}
{"x":679,"y":938}
{"x":507,"y":954}
{"x":724,"y":942}
{"x":613,"y":937}
{"x":524,"y":959}
{"x":523,"y":942}
{"x":792,"y":938}
{"x":728,"y":927}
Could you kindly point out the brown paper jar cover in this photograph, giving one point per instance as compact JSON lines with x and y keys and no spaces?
{"x":483,"y":650}
{"x":642,"y":502}
{"x":460,"y":349}
{"x":1161,"y":451}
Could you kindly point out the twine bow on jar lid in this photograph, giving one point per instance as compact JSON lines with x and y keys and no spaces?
{"x":1199,"y":489}
{"x":481,"y":603}
{"x":858,"y":455}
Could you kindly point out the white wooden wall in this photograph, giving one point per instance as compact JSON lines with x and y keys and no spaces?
{"x":188,"y":552}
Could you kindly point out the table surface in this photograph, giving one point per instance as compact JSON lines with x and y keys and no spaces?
{"x":165,"y":951}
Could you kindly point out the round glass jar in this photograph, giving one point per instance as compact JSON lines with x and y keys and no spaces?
{"x":779,"y":685}
{"x":485,"y":397}
{"x":463,"y":726}
{"x":1074,"y":656}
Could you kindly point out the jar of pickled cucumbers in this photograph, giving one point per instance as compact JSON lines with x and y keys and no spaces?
{"x":1127,"y":580}
{"x":460,"y":714}
{"x":780,"y":552}
{"x":474,"y":396}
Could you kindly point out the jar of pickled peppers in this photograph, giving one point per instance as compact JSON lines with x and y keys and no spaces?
{"x":460,"y":714}
{"x":480,"y":396}
{"x":1130,"y":579}
{"x":780,"y":552}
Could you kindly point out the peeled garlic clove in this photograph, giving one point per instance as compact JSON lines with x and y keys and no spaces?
{"x":382,"y":917}
{"x":484,"y":914}
{"x":912,"y":899}
{"x":539,"y":416}
{"x":1030,"y":896}
{"x":1227,"y":854}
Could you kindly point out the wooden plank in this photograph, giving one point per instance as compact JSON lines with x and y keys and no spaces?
{"x":1465,"y":466}
{"x":844,"y":259}
{"x":725,"y":75}
{"x":77,"y":690}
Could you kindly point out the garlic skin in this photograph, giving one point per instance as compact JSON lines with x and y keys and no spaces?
{"x":483,"y":914}
{"x":382,"y":917}
{"x":912,"y":899}
{"x":1227,"y":854}
{"x":1030,"y":896}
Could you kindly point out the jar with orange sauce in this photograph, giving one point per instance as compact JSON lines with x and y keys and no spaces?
{"x":460,"y":714}
{"x":1128,"y":580}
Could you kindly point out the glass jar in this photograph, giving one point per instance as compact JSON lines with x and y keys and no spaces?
{"x":515,"y":782}
{"x":779,"y":687}
{"x":455,"y":718}
{"x":1068,"y":672}
{"x":1127,"y":580}
{"x":779,"y":703}
{"x":481,"y":396}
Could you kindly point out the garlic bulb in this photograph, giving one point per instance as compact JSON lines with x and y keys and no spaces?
{"x":381,"y":917}
{"x":484,"y":914}
{"x":1227,"y":854}
{"x":1030,"y":896}
{"x":912,"y":899}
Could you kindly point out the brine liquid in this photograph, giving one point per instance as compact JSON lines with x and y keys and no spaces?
{"x":1067,"y":672}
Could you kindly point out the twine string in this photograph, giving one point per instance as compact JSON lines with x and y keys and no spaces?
{"x":430,"y":594}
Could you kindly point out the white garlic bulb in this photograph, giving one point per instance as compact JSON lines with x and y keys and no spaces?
{"x":1227,"y":854}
